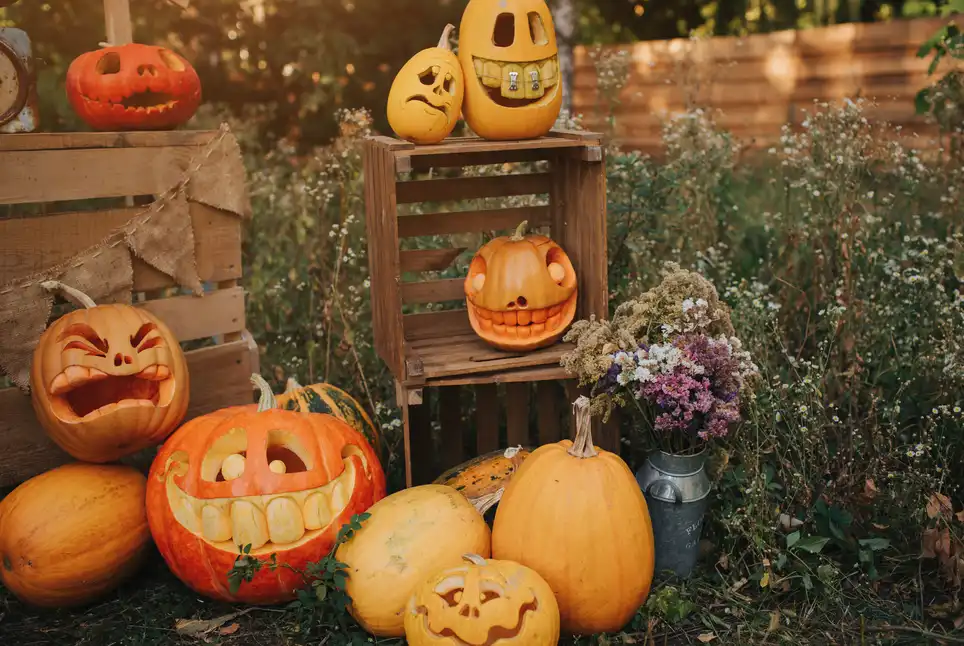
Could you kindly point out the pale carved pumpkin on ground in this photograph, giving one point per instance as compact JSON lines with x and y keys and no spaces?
{"x":425,"y":100}
{"x":483,"y":602}
{"x":521,"y":291}
{"x":107,"y":380}
{"x":133,"y":87}
{"x":510,"y":61}
{"x":278,"y":480}
{"x":575,"y":514}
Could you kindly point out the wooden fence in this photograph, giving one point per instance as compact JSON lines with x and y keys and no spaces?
{"x":755,"y":85}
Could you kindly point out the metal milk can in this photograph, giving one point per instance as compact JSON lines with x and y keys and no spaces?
{"x":677,"y":492}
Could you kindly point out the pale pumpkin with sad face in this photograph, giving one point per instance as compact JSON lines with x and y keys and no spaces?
{"x":425,"y":100}
{"x":107,"y":380}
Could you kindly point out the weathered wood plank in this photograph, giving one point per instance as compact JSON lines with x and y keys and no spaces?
{"x":430,"y":224}
{"x":434,"y":291}
{"x":467,"y":188}
{"x":486,"y":418}
{"x":134,"y":139}
{"x":450,"y":419}
{"x":548,"y":395}
{"x":194,"y":317}
{"x":517,"y":414}
{"x":416,"y":260}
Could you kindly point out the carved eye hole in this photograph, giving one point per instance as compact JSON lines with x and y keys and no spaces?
{"x":537,"y":30}
{"x":487,"y":596}
{"x":94,"y":345}
{"x":504,"y":33}
{"x":170,"y":60}
{"x":452,"y":597}
{"x":428,"y":76}
{"x":109,"y":63}
{"x":232,"y":466}
{"x":285,"y":454}
{"x":449,"y":84}
{"x":140,"y":341}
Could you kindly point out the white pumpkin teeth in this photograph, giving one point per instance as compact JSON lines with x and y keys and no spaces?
{"x":280,"y":519}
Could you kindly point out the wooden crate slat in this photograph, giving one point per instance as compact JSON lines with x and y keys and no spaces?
{"x":471,"y":145}
{"x":450,"y":418}
{"x":517,"y":414}
{"x":477,"y":356}
{"x":191,"y":317}
{"x":29,"y":245}
{"x":80,"y":174}
{"x":430,"y":224}
{"x":486,"y":418}
{"x":423,"y":471}
{"x":462,"y":160}
{"x":516,"y":375}
{"x":416,"y":260}
{"x":219,"y":378}
{"x":467,"y":188}
{"x":434,"y":291}
{"x":62,"y":140}
{"x":435,"y":324}
{"x":547,"y":403}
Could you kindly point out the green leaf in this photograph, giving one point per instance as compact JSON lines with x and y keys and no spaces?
{"x":807,"y":581}
{"x":934,"y":63}
{"x":812,"y":544}
{"x":922,"y":102}
{"x":792,"y":539}
{"x":247,"y":548}
{"x":321,"y":592}
{"x":875,"y":544}
{"x":931,"y":43}
{"x":339,"y":580}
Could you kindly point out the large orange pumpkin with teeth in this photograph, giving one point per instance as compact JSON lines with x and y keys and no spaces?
{"x":510,"y":59}
{"x":107,"y":380}
{"x":133,"y":87}
{"x":280,"y":481}
{"x":521,"y":291}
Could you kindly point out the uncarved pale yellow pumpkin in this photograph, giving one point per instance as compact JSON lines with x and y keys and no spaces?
{"x":574,"y":514}
{"x":410,"y":536}
{"x":425,"y":100}
{"x":73,"y":534}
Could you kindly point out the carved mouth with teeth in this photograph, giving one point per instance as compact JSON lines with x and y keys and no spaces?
{"x":265,"y":522}
{"x":517,"y":85}
{"x":517,"y":323}
{"x":80,"y":392}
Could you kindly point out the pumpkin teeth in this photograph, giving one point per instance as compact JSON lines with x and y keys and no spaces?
{"x":263,"y":521}
{"x":89,"y":392}
{"x":517,"y":84}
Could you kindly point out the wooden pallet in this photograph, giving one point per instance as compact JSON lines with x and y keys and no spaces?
{"x":438,"y":349}
{"x":44,"y":169}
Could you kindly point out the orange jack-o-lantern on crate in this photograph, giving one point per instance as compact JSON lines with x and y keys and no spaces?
{"x":510,"y":60}
{"x":107,"y":380}
{"x":133,"y":87}
{"x":425,"y":101}
{"x":521,"y":291}
{"x":483,"y":602}
{"x":279,"y":481}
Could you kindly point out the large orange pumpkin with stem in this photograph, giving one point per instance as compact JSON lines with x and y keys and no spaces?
{"x":521,"y":291}
{"x":73,"y":534}
{"x":278,"y":481}
{"x":574,"y":514}
{"x":133,"y":87}
{"x":107,"y":380}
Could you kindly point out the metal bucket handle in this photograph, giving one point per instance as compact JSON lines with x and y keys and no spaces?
{"x":665,"y":484}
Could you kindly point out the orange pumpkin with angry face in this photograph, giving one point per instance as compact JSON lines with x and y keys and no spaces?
{"x":107,"y":380}
{"x":280,"y":481}
{"x":521,"y":292}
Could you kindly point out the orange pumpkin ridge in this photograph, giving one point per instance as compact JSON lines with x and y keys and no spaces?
{"x":598,"y":590}
{"x":107,"y":380}
{"x":277,"y":480}
{"x":521,"y":291}
{"x":425,"y":100}
{"x":133,"y":87}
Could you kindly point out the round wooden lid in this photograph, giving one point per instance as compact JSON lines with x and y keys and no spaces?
{"x":13,"y":84}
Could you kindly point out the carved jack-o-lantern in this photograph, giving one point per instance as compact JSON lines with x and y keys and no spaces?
{"x":425,"y":101}
{"x":510,"y":60}
{"x":108,"y":380}
{"x":521,"y":291}
{"x":133,"y":87}
{"x":280,"y":481}
{"x":483,"y":602}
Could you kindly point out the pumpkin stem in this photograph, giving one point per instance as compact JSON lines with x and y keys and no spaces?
{"x":75,"y":296}
{"x":520,"y":231}
{"x":266,"y":401}
{"x":582,"y":446}
{"x":443,"y":42}
{"x":474,"y":559}
{"x":292,"y":385}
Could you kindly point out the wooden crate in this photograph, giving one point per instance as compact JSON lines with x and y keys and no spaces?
{"x":49,"y":168}
{"x":438,"y":349}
